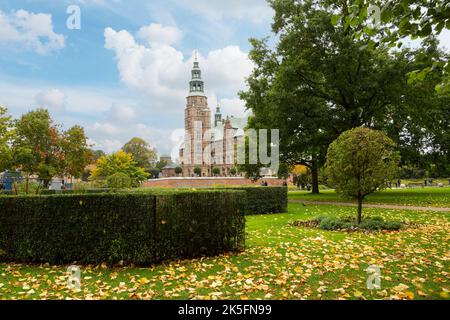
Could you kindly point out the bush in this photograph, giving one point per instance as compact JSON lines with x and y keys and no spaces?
{"x":119,"y":181}
{"x":264,"y":200}
{"x":139,"y":228}
{"x":349,"y":223}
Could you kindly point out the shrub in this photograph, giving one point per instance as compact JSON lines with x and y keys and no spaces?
{"x":348,"y":223}
{"x":139,"y":227}
{"x":264,"y":200}
{"x":118,"y":181}
{"x":360,"y":162}
{"x":330,"y":223}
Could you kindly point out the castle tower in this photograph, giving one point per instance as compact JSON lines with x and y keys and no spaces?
{"x":197,"y":125}
{"x":218,"y":116}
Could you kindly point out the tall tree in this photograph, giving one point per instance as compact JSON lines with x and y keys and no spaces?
{"x":6,"y":135}
{"x":119,"y":162}
{"x":77,"y":154}
{"x":37,"y":148}
{"x":144,"y":156}
{"x":318,"y":82}
{"x":360,"y":162}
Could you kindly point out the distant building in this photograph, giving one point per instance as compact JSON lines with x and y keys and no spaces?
{"x":207,"y":138}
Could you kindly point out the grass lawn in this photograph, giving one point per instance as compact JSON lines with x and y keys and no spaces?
{"x":426,"y":197}
{"x":281,"y":262}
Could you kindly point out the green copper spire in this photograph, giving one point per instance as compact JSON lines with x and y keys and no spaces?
{"x":196,"y":84}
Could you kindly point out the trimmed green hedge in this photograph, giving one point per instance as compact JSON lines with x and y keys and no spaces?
{"x":136,"y":228}
{"x":264,"y":200}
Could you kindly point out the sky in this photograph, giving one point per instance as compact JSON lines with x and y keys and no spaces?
{"x":125,"y":72}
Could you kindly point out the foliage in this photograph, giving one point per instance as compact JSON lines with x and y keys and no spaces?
{"x":323,"y":77}
{"x":198,"y":171}
{"x":6,"y":135}
{"x":264,"y":200}
{"x":233,"y":171}
{"x":279,"y":263}
{"x":119,"y":162}
{"x":360,"y":162}
{"x":178,"y":170}
{"x":138,"y":228}
{"x":331,"y":223}
{"x":216,"y":171}
{"x":144,"y":156}
{"x":400,"y":19}
{"x":284,"y":171}
{"x":77,"y":154}
{"x":118,"y":181}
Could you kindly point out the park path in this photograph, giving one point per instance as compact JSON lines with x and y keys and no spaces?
{"x":369,"y":205}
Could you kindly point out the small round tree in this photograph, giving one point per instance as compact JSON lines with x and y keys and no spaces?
{"x":233,"y":171}
{"x":216,"y":171}
{"x":360,"y":162}
{"x":178,"y":170}
{"x":119,"y":181}
{"x":198,"y":171}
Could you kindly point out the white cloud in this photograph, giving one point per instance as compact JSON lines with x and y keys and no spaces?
{"x":162,"y":73}
{"x":257,"y":11}
{"x":122,"y":113}
{"x":31,"y":31}
{"x":52,"y":99}
{"x":157,"y":33}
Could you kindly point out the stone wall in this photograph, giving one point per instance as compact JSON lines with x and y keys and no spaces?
{"x":208,"y":182}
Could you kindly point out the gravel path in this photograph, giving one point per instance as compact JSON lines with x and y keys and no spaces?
{"x":369,"y":205}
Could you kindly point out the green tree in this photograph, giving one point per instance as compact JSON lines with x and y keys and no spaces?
{"x":119,"y":181}
{"x":216,"y":171}
{"x":198,"y":171}
{"x":395,"y":21}
{"x":233,"y":171}
{"x":77,"y":154}
{"x":360,"y":162}
{"x":119,"y":162}
{"x":37,"y":148}
{"x":178,"y":170}
{"x":321,"y":80}
{"x":144,"y":156}
{"x":97,"y":154}
{"x":6,"y":136}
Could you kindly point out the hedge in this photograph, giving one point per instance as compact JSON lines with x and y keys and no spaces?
{"x":136,"y":228}
{"x":259,"y":200}
{"x":264,"y":200}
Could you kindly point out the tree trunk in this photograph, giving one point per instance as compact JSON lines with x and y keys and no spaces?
{"x":360,"y":202}
{"x":27,"y":184}
{"x":315,"y":178}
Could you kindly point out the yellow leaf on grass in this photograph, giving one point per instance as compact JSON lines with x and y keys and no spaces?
{"x":144,"y":281}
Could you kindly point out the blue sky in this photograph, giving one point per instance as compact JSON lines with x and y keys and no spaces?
{"x":126,"y":72}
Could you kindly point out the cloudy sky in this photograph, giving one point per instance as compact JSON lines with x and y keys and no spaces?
{"x":125,"y":73}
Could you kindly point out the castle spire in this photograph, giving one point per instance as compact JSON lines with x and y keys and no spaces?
{"x":196,"y":85}
{"x":218,"y":116}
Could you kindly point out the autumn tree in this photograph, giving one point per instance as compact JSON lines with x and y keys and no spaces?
{"x":323,"y":78}
{"x":119,"y":162}
{"x":77,"y":154}
{"x":144,"y":156}
{"x":6,"y":136}
{"x":360,"y":162}
{"x":37,"y":148}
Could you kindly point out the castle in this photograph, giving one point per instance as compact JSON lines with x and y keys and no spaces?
{"x":209,"y":144}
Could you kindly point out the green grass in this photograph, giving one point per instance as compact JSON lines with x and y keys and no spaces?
{"x":427,"y":197}
{"x":281,"y":262}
